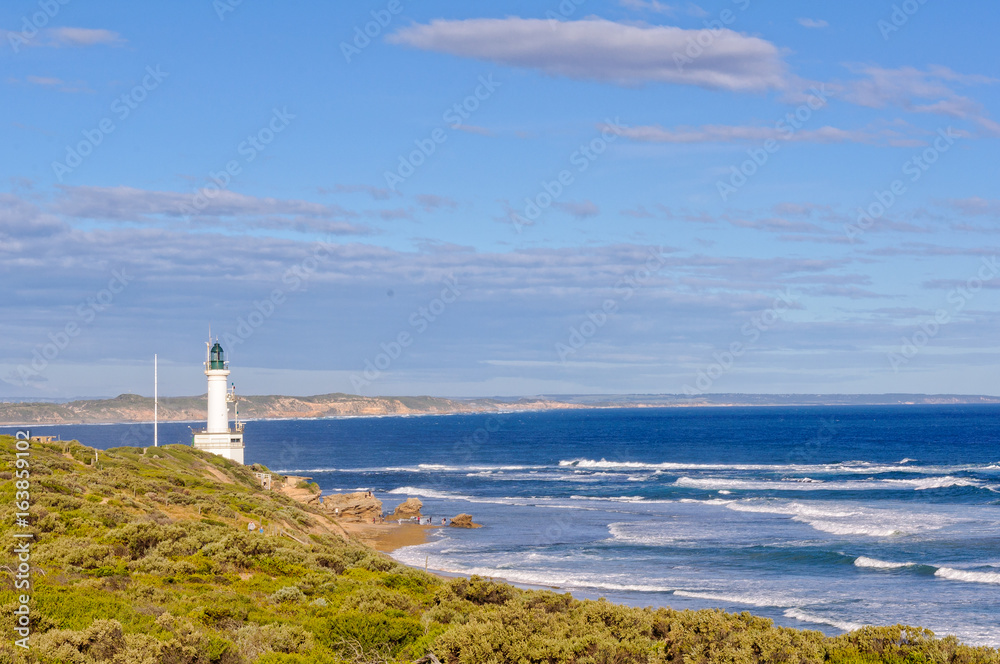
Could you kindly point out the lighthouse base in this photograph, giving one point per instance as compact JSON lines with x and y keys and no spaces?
{"x":228,"y":444}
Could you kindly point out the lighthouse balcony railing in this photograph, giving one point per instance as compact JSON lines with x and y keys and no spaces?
{"x":214,"y":366}
{"x":238,"y":428}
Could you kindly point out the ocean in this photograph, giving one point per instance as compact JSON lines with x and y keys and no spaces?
{"x":822,"y":518}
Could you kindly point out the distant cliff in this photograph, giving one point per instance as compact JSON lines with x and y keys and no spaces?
{"x":134,"y":408}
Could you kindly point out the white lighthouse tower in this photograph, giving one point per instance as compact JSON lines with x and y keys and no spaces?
{"x":217,"y":437}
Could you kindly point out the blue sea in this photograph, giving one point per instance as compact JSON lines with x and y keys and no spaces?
{"x":822,"y":517}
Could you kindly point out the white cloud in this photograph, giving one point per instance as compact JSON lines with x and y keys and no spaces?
{"x":377,"y":193}
{"x":431,"y":202}
{"x":650,"y":6}
{"x":224,"y":208}
{"x":920,"y":91}
{"x":598,"y":49}
{"x":813,"y":23}
{"x":759,"y":134}
{"x":43,"y":80}
{"x":82,"y":37}
{"x":581,"y":209}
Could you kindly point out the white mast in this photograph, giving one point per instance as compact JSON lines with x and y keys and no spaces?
{"x":156,"y":404}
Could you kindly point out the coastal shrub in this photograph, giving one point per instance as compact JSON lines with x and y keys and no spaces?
{"x":243,"y":550}
{"x":50,"y":523}
{"x":81,"y":453}
{"x":287,"y":594}
{"x":289,"y":555}
{"x":76,"y":552}
{"x":254,"y":640}
{"x":904,"y":644}
{"x":161,"y":566}
{"x":375,"y":562}
{"x":482,"y":591}
{"x":409,"y":580}
{"x":372,"y":599}
{"x":332,"y":561}
{"x":450,"y":611}
{"x":317,"y":581}
{"x":103,"y":641}
{"x":548,"y":601}
{"x":141,"y":538}
{"x":224,"y":613}
{"x":352,"y":633}
{"x":59,"y":503}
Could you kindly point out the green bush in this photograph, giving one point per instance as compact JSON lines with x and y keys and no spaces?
{"x":254,"y":640}
{"x":482,"y":591}
{"x":352,"y":633}
{"x":287,"y":594}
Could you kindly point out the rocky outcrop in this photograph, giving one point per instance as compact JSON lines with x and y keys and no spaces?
{"x":408,"y":509}
{"x":464,"y":521}
{"x":358,"y":506}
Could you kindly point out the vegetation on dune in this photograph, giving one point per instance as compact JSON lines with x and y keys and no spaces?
{"x":143,"y":556}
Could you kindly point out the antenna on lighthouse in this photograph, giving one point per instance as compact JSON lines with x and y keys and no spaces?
{"x":156,"y":403}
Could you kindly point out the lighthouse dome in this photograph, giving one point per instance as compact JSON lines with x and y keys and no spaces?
{"x":216,"y":357}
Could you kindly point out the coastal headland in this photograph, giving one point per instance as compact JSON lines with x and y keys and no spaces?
{"x":129,"y":408}
{"x":172,"y":554}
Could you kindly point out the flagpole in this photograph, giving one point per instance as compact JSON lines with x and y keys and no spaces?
{"x":156,"y":403}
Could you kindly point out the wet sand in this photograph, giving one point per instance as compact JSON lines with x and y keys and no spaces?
{"x":387,"y":537}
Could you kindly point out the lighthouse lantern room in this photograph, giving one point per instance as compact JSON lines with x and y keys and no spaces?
{"x":217,"y":437}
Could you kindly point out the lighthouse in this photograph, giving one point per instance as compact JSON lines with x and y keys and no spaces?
{"x":217,"y":437}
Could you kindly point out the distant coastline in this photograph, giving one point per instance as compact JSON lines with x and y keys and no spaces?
{"x":131,"y":408}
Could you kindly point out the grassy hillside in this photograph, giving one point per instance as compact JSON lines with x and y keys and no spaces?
{"x":143,"y":556}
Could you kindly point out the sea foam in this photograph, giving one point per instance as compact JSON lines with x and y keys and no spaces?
{"x":805,"y":616}
{"x":875,"y":563}
{"x":967,"y":576}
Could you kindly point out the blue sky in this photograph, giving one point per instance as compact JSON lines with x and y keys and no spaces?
{"x":520,"y":198}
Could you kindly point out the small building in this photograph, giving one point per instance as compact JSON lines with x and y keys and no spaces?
{"x":44,"y":439}
{"x":217,"y":436}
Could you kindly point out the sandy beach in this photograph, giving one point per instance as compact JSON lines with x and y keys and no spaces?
{"x":387,"y":537}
